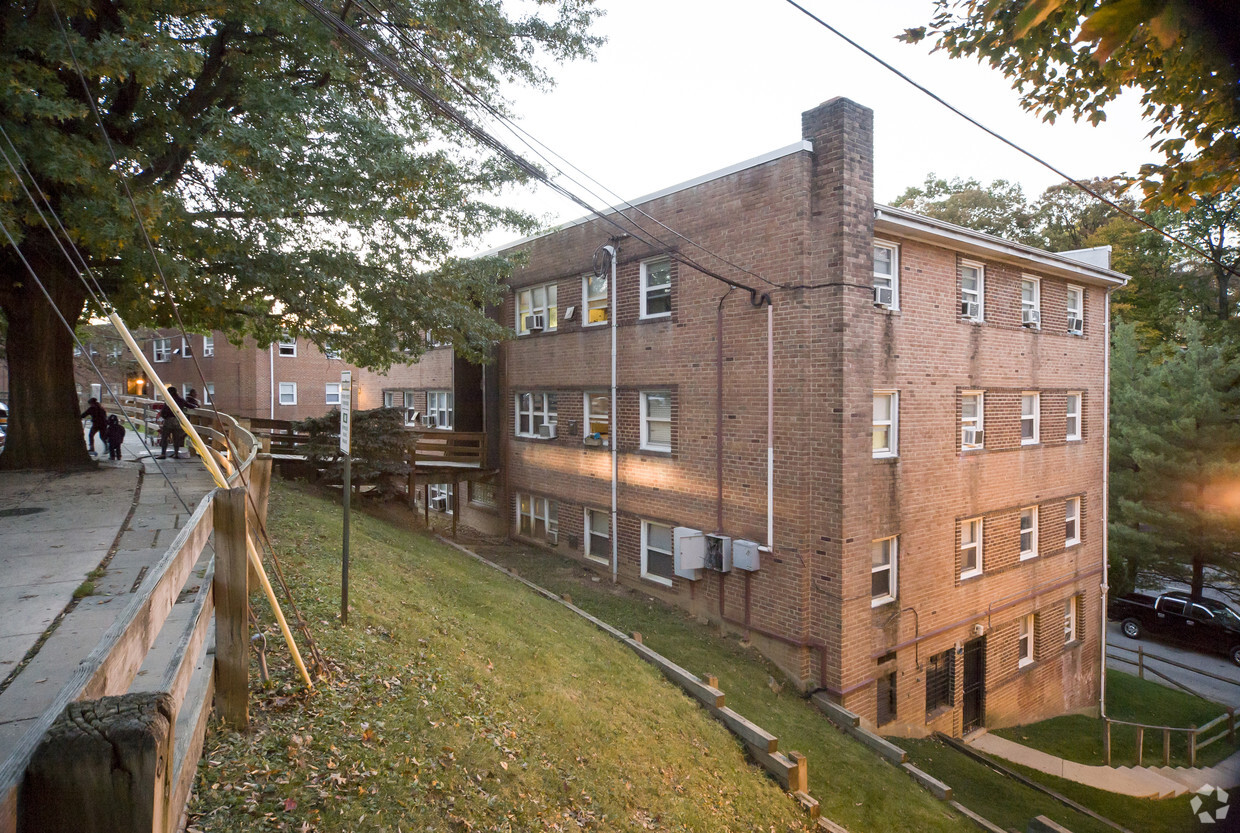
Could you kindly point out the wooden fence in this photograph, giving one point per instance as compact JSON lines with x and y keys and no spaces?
{"x":101,"y":759}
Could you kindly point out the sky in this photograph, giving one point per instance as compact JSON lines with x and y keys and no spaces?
{"x":686,"y":87}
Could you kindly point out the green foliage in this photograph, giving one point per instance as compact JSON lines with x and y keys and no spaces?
{"x":1077,"y":58}
{"x":379,"y":443}
{"x":999,"y":208}
{"x":1175,"y":460}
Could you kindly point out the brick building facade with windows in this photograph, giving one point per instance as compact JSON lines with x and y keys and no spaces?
{"x":932,"y":547}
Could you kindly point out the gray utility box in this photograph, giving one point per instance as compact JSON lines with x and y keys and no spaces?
{"x":745,"y":555}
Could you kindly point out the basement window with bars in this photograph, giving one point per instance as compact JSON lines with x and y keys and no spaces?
{"x":940,"y":682}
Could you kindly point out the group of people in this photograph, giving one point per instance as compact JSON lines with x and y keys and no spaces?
{"x":110,"y":430}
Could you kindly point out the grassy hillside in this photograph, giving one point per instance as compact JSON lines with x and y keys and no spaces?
{"x":462,"y":701}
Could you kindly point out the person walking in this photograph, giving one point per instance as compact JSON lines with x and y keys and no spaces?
{"x":113,"y":436}
{"x":98,"y":421}
{"x":170,"y":428}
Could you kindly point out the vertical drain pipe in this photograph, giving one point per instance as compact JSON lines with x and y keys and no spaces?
{"x":613,"y":250}
{"x":770,"y":427}
{"x":271,"y":369}
{"x":1106,"y":497}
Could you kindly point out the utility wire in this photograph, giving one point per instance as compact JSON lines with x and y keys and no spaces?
{"x":1077,"y":183}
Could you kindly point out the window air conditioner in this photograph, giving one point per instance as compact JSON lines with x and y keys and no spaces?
{"x":534,"y":323}
{"x":428,"y":420}
{"x":969,"y":309}
{"x":972,"y":436}
{"x":1075,"y":326}
{"x":547,"y":430}
{"x":1030,"y":317}
{"x":883,"y":296}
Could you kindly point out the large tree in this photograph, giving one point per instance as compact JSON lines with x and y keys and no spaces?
{"x":1076,"y":58}
{"x":287,"y":186}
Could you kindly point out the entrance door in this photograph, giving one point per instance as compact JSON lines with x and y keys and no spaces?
{"x":974,"y":683}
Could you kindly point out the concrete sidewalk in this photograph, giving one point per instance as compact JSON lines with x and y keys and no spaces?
{"x":55,"y":529}
{"x":1141,"y":782}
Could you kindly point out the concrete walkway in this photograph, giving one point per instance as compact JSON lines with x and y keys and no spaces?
{"x":55,"y":529}
{"x":1141,"y":782}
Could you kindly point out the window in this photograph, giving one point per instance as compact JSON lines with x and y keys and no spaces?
{"x":288,"y":349}
{"x":1076,"y":310}
{"x":1072,"y":429}
{"x":971,"y":278}
{"x":161,"y":348}
{"x":389,"y":399}
{"x":333,"y":393}
{"x":886,"y":275}
{"x":657,"y":562}
{"x":288,"y":393}
{"x":598,"y":537}
{"x":442,"y":497}
{"x":538,"y":517}
{"x":883,"y":571}
{"x":185,"y":389}
{"x":594,"y":302}
{"x":971,"y":434}
{"x":1069,"y":620}
{"x":331,"y":353}
{"x":656,"y":288}
{"x":1030,"y":417}
{"x":1031,"y":302}
{"x":1024,"y":645}
{"x":886,"y":691}
{"x":438,"y":408}
{"x":208,"y":346}
{"x":971,"y":548}
{"x":114,"y":351}
{"x":1029,"y":532}
{"x":941,"y":681}
{"x":208,"y":393}
{"x":482,"y":494}
{"x":597,"y":419}
{"x":656,"y":420}
{"x":411,"y":412}
{"x":536,"y":309}
{"x":536,"y":413}
{"x":886,"y":423}
{"x":1072,"y":521}
{"x":187,"y":352}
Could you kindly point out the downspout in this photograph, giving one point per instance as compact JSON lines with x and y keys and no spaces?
{"x":719,"y":412}
{"x":271,"y":365}
{"x":615,"y":435}
{"x":770,"y":429}
{"x":1106,"y":499}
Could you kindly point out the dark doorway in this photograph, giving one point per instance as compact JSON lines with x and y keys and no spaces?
{"x":974,"y":683}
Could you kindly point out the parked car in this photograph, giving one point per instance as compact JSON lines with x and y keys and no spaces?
{"x":1205,"y":624}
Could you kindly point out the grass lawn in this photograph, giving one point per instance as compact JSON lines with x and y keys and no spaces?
{"x":1079,"y":738}
{"x":459,"y":700}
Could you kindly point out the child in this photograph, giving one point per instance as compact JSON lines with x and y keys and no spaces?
{"x":113,"y":436}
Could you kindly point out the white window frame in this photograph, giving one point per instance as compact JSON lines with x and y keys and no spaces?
{"x":439,"y":406}
{"x":331,"y":394}
{"x":442,"y":497}
{"x":891,"y":425}
{"x":1072,"y":412}
{"x":891,"y":281}
{"x":590,"y":417}
{"x":543,"y":410}
{"x":1035,"y":303}
{"x":114,"y":351}
{"x":646,"y":419}
{"x":161,"y":350}
{"x":543,"y":300}
{"x":208,"y":346}
{"x":975,"y":422}
{"x":1069,"y":620}
{"x":331,"y":353}
{"x":973,"y":295}
{"x":646,"y":547}
{"x":890,"y":566}
{"x":1072,"y":515}
{"x":587,"y":539}
{"x":187,"y":348}
{"x":971,"y":532}
{"x":1034,"y":419}
{"x":287,"y":393}
{"x":1076,"y":310}
{"x":591,"y":302}
{"x":550,"y":516}
{"x":389,"y":399}
{"x":287,"y":349}
{"x":646,"y":288}
{"x":1025,"y":640}
{"x":208,"y":394}
{"x":1026,"y":553}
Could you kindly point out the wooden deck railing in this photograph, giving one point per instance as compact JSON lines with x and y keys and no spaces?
{"x":63,"y":774}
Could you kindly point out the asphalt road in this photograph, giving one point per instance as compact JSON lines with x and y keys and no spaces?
{"x":1216,"y":690}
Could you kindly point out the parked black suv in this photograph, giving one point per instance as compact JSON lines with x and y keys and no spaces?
{"x":1205,"y":624}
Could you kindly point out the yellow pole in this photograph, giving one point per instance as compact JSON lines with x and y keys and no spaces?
{"x":220,"y":480}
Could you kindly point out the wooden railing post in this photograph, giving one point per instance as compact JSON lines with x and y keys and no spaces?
{"x":1140,"y":662}
{"x":1106,"y":743}
{"x":231,"y":609}
{"x":1166,"y":746}
{"x":799,"y":780}
{"x":1192,"y":745}
{"x":1140,"y":744}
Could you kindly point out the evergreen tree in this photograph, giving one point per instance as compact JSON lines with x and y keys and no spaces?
{"x":379,"y":444}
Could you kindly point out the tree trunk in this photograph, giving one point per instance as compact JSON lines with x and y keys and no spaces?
{"x":1199,"y":578}
{"x":44,"y":431}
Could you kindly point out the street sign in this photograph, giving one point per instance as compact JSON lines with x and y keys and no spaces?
{"x":346,"y":407}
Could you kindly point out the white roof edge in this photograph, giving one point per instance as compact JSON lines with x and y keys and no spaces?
{"x":797,"y":147}
{"x":976,"y":242}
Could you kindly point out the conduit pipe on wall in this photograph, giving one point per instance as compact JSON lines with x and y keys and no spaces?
{"x":770,"y":429}
{"x":1106,"y":498}
{"x":614,"y":251}
{"x":271,"y":372}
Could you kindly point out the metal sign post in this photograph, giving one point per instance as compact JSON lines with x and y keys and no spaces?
{"x":346,"y":408}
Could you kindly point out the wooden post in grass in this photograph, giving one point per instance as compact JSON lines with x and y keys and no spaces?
{"x":1140,"y":662}
{"x":426,"y":504}
{"x":456,"y":505}
{"x":1106,"y":742}
{"x":1140,"y":744}
{"x":1166,"y":746}
{"x":232,"y":641}
{"x":1231,"y":724}
{"x":798,"y":781}
{"x":1192,"y":745}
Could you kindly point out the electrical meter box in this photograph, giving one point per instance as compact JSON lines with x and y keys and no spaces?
{"x":745,"y":555}
{"x":719,"y":553}
{"x":689,"y":552}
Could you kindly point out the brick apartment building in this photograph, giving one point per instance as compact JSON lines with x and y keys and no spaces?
{"x":907,"y":443}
